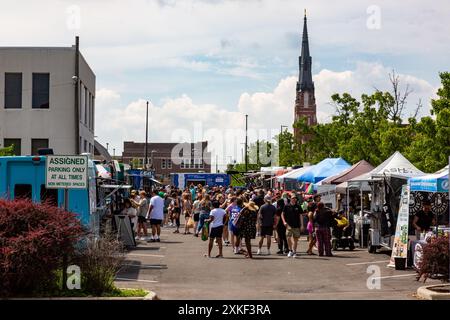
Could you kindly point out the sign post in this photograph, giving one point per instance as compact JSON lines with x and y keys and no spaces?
{"x":400,"y":247}
{"x":66,"y":172}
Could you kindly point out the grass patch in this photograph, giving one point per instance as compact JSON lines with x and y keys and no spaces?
{"x":116,"y":292}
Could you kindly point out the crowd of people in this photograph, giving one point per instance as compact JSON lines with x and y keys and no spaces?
{"x":233,"y":217}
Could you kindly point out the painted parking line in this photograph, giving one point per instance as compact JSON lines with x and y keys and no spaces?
{"x":144,"y":266}
{"x":136,"y":280}
{"x":397,"y":276}
{"x":145,"y":255}
{"x":370,"y":262}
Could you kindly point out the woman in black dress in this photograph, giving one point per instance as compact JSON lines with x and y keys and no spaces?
{"x":247,"y":225}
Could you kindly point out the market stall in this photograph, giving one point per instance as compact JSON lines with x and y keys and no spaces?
{"x":288,"y":181}
{"x":385,"y":182}
{"x":433,"y":187}
{"x":337,"y":185}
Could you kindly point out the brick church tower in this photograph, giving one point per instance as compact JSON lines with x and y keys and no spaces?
{"x":305,"y":102}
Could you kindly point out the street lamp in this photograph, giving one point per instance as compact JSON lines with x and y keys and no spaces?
{"x":246,"y":143}
{"x":146,"y":138}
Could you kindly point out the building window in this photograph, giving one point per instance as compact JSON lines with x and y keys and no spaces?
{"x":163,"y":163}
{"x":16,"y":143}
{"x":41,"y":91}
{"x":201,"y":166}
{"x":93,"y":113}
{"x":169,"y":163}
{"x":13,"y":90}
{"x":192,"y":166}
{"x":85,"y":146}
{"x":37,"y":144}
{"x":196,"y":163}
{"x":86,"y":106}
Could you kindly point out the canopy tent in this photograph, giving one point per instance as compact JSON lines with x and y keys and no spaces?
{"x":436,"y":182}
{"x":395,"y":166}
{"x":294,"y":174}
{"x":356,"y":170}
{"x":324,"y":169}
{"x":102,"y":172}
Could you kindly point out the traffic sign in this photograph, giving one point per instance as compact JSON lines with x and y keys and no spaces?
{"x":66,"y":172}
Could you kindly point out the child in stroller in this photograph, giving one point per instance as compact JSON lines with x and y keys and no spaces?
{"x":342,"y":233}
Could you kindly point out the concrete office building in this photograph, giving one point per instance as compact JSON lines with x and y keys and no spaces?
{"x":47,"y":100}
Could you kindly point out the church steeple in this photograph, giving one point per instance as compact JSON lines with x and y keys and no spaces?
{"x":305,"y":62}
{"x":305,"y":101}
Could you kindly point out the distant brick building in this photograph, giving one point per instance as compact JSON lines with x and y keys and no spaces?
{"x":305,"y":101}
{"x":167,"y":158}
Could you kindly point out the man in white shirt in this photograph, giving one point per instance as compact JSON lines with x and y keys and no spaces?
{"x":216,"y":217}
{"x":156,"y":214}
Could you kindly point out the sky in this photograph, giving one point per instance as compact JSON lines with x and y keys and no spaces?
{"x":204,"y":64}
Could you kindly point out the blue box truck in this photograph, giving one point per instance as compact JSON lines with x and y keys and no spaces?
{"x":181,"y":180}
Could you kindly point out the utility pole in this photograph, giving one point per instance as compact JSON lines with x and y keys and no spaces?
{"x":217,"y":163}
{"x":77,"y":97}
{"x":257,"y":152}
{"x":246,"y":143}
{"x":146,"y":139}
{"x":279,"y":143}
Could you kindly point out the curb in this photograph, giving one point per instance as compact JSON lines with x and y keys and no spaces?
{"x":150,"y":296}
{"x":426,"y":293}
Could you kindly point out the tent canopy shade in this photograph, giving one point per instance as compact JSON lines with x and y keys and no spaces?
{"x":436,"y":182}
{"x":356,"y":170}
{"x":324,"y":169}
{"x":294,"y":174}
{"x":395,"y":166}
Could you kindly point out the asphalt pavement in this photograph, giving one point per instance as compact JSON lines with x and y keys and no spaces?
{"x":176,"y":268}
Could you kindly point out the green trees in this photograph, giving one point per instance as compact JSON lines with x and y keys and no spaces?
{"x":8,"y":151}
{"x":372,"y":129}
{"x":430,"y":148}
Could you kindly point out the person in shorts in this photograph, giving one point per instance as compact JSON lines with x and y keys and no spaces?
{"x":266,"y":215}
{"x":156,"y":215}
{"x":216,"y":218}
{"x":293,"y":221}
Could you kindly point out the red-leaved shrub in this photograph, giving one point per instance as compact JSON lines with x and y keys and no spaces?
{"x":33,"y":240}
{"x":435,"y":263}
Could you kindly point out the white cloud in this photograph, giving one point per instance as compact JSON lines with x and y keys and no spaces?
{"x":266,"y":110}
{"x":146,"y":33}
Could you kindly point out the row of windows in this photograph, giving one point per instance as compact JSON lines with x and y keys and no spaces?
{"x":36,"y":144}
{"x":192,"y":164}
{"x":86,"y":146}
{"x":86,"y":107}
{"x":40,"y":90}
{"x":166,"y":164}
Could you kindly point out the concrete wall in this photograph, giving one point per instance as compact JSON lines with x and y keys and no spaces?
{"x":56,"y":123}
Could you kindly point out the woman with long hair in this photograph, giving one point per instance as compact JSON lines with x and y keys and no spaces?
{"x":196,"y":211}
{"x":234,"y":211}
{"x":205,"y":209}
{"x":176,"y":210}
{"x":187,"y":210}
{"x":247,"y":226}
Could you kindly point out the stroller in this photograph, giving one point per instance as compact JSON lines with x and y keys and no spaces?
{"x":342,"y":233}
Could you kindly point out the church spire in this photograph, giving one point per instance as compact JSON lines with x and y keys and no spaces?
{"x":305,"y":62}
